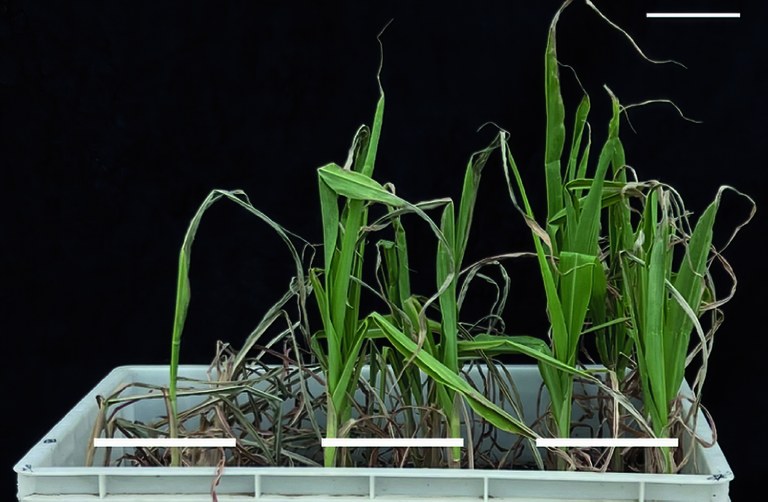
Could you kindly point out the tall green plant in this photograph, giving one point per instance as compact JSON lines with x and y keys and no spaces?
{"x":567,"y":248}
{"x":438,"y":360}
{"x":338,"y":297}
{"x":666,"y":300}
{"x":640,"y":309}
{"x":454,"y":228}
{"x":450,"y":255}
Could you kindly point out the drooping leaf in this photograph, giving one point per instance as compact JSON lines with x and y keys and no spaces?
{"x":447,"y":378}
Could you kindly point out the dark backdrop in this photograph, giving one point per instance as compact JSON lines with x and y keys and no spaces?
{"x":117,"y":118}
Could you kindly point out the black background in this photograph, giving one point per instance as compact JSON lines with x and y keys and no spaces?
{"x":117,"y":118}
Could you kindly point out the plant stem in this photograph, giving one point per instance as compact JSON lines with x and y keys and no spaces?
{"x":329,"y":453}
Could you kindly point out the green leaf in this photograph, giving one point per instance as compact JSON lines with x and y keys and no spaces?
{"x":446,"y":272}
{"x":497,"y":345}
{"x":472,"y":176}
{"x":578,"y":130}
{"x":689,"y":282}
{"x":555,"y":130}
{"x":357,"y":186}
{"x":329,"y":211}
{"x":404,"y":272}
{"x":373,"y":144}
{"x":577,"y":272}
{"x":343,"y":387}
{"x":437,"y":371}
{"x":588,"y":228}
{"x":652,"y":334}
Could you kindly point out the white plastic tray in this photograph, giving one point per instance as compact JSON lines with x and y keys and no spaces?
{"x":53,"y":470}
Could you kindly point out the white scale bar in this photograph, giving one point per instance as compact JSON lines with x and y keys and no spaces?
{"x":164,"y":442}
{"x":694,"y":15}
{"x":388,"y":442}
{"x":606,"y":442}
{"x":392,"y":442}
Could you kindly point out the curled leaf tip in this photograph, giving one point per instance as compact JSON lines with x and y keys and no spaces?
{"x":381,"y":53}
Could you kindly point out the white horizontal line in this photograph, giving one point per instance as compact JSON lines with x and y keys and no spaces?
{"x":392,"y":442}
{"x":164,"y":442}
{"x":606,"y":442}
{"x":694,"y":15}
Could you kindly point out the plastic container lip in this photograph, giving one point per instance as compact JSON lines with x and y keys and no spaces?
{"x":40,"y":471}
